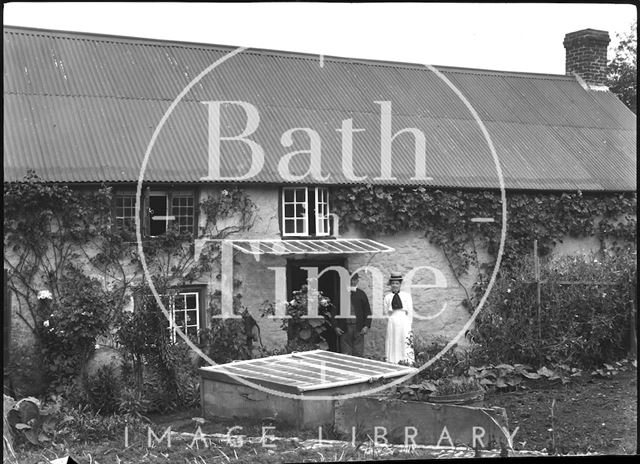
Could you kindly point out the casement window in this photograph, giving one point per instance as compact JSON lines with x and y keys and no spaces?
{"x":185,"y":314}
{"x":185,"y":308}
{"x":305,"y":212}
{"x":176,"y":208}
{"x":160,"y":211}
{"x":125,"y":212}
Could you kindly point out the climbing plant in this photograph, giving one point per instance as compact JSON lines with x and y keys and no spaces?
{"x":444,"y":218}
{"x":61,"y":241}
{"x":47,"y":230}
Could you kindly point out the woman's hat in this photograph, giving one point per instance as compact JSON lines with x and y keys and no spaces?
{"x":395,"y":277}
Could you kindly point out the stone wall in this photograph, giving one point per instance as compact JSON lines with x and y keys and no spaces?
{"x":439,"y":313}
{"x":438,"y":310}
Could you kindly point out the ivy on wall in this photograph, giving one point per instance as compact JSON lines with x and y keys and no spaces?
{"x":60,"y":240}
{"x":444,"y":217}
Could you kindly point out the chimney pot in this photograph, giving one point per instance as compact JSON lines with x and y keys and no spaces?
{"x":586,"y":55}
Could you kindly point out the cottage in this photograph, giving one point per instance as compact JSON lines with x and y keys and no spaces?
{"x":137,"y":115}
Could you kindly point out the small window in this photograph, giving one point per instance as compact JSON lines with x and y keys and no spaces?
{"x":125,"y":212}
{"x":186,"y":314}
{"x":184,"y":308}
{"x":295,"y":212}
{"x":162,"y":211}
{"x":305,"y":212}
{"x":182,"y":210}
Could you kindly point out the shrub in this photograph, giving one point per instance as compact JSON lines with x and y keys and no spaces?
{"x":582,"y":324}
{"x":304,"y":334}
{"x":163,"y":372}
{"x":454,"y":362}
{"x":132,"y":401}
{"x":103,"y":390}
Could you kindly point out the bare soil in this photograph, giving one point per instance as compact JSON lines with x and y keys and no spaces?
{"x":589,"y":415}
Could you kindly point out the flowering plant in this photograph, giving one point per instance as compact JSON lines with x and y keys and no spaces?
{"x":307,"y":333}
{"x":45,"y":295}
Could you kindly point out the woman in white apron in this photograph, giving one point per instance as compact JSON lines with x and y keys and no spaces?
{"x":398,"y":306}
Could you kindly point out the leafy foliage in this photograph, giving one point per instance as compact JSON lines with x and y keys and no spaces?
{"x":622,"y":73}
{"x":452,"y":363}
{"x":39,"y":424}
{"x":103,"y":390}
{"x":47,"y":230}
{"x":444,"y":217}
{"x":29,"y":422}
{"x":428,"y":390}
{"x":59,"y":239}
{"x":307,"y":333}
{"x":68,"y":330}
{"x":581,"y":324}
{"x":228,"y":339}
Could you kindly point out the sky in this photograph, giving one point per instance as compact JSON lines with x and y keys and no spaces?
{"x":508,"y":37}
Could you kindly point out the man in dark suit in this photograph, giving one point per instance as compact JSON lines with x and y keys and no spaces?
{"x":351,"y":331}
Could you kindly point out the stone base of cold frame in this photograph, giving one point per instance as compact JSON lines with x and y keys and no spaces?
{"x":232,"y":400}
{"x":409,"y":422}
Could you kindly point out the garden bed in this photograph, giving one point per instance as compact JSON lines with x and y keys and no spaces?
{"x":591,"y":415}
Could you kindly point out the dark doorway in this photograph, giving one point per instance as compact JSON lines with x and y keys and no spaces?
{"x":328,"y":284}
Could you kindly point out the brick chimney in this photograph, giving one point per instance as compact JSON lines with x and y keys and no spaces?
{"x":587,"y":55}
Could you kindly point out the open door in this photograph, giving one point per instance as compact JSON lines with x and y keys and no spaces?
{"x":328,"y":284}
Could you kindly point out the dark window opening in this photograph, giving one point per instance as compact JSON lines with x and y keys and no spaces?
{"x":157,"y":215}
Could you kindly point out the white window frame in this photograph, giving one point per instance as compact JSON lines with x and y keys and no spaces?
{"x":119,"y":221}
{"x":295,"y":219}
{"x":173,"y":310}
{"x":171,"y":206}
{"x":321,"y":216}
{"x":322,"y":219}
{"x":169,"y":197}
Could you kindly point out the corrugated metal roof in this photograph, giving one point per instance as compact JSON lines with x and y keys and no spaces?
{"x":82,"y":108}
{"x":307,"y":371}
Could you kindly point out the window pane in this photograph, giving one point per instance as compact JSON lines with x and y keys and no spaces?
{"x":300,"y":194}
{"x":299,"y":226}
{"x":183,"y":212}
{"x":289,"y":226}
{"x":288,"y":211}
{"x":125,"y":212}
{"x":301,"y":210}
{"x":191,"y":301}
{"x":288,"y":195}
{"x":179,"y":318}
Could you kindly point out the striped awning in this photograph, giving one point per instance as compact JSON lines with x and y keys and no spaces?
{"x":337,"y":246}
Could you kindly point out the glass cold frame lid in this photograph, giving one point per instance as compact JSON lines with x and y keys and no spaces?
{"x":307,"y":371}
